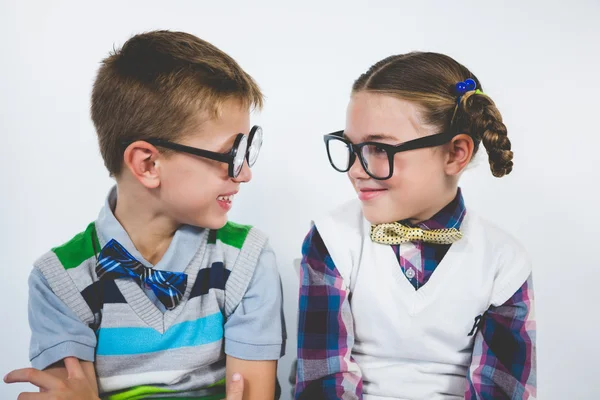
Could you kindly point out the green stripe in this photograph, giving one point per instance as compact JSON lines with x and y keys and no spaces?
{"x":232,"y":234}
{"x":141,"y":392}
{"x":211,"y":397}
{"x":78,"y":249}
{"x":138,"y":392}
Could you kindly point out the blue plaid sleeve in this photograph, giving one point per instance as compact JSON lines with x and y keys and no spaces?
{"x":325,"y":369}
{"x":504,"y":356}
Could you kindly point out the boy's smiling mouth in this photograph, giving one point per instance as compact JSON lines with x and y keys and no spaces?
{"x":225,"y":200}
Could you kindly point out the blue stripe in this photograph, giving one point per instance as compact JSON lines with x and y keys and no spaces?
{"x":127,"y":341}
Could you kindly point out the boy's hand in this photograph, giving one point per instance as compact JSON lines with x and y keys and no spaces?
{"x":75,"y":387}
{"x":235,"y":389}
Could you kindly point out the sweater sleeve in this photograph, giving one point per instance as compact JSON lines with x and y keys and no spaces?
{"x":56,"y":332}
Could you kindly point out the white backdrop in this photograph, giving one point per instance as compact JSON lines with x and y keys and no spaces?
{"x":538,"y":60}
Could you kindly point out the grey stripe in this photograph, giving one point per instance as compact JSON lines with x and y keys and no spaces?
{"x":122,"y":315}
{"x":199,"y":357}
{"x":139,"y":303}
{"x":84,"y":274}
{"x":192,"y":381}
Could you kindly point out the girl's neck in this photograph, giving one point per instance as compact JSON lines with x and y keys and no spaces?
{"x":435,"y":207}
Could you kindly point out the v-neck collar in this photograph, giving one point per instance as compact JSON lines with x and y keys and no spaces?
{"x":185,"y":254}
{"x":417,"y":300}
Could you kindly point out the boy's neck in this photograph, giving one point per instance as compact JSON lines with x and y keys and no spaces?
{"x":150,"y":232}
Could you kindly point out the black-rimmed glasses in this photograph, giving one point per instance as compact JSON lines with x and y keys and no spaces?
{"x":245,"y":147}
{"x":377,"y":159}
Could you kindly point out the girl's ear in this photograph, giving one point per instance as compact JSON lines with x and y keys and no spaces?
{"x":461,"y":151}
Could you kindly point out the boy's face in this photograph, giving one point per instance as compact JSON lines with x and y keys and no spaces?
{"x":419,"y":185}
{"x":196,"y":190}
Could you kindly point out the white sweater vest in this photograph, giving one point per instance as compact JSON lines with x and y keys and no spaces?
{"x":415,"y":344}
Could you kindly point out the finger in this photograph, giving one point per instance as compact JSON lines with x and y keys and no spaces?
{"x":235,"y":388}
{"x":36,"y":396}
{"x":32,"y":396}
{"x":34,"y":376}
{"x":74,"y":369}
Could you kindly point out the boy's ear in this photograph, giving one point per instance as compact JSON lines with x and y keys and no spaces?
{"x":140,"y":158}
{"x":461,"y":152}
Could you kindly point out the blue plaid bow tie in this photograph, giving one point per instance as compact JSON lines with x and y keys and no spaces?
{"x":115,"y":262}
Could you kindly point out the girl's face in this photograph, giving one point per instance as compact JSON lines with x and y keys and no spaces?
{"x":423,"y":181}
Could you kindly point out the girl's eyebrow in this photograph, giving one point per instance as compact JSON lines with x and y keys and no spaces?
{"x":375,"y":137}
{"x":380,"y":136}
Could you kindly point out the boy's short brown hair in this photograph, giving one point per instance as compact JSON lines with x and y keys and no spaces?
{"x":156,"y":85}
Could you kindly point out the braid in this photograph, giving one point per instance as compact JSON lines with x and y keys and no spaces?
{"x":483,"y":121}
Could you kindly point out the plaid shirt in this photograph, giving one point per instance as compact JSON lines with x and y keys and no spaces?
{"x":503,"y":360}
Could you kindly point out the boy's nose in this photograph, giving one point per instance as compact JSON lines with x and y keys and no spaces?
{"x":245,"y":174}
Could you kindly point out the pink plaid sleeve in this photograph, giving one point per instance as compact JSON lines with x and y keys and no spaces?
{"x":325,"y":368}
{"x":504,"y":356}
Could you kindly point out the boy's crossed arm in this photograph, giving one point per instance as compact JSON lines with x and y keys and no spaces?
{"x":76,"y":380}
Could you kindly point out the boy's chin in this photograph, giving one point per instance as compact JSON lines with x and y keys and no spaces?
{"x":213,"y":222}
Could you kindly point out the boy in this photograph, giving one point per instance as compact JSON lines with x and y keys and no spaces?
{"x":161,"y":296}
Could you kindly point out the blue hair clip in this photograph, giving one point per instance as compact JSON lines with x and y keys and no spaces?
{"x":464,"y":87}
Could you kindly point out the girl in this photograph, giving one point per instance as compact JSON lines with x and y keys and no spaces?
{"x":405,"y":292}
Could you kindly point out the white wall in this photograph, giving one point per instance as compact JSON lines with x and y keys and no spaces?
{"x":538,"y":60}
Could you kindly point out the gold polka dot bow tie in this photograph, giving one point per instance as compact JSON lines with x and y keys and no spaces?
{"x":396,"y":233}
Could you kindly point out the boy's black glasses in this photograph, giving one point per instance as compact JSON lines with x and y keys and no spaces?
{"x":245,"y":147}
{"x":377,"y":159}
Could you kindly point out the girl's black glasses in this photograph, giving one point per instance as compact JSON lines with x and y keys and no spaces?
{"x":376,"y":158}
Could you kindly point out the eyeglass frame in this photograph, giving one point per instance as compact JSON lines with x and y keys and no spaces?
{"x":355,"y":150}
{"x":226,"y":157}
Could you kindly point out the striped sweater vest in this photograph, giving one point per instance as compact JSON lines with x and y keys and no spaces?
{"x":141,"y":352}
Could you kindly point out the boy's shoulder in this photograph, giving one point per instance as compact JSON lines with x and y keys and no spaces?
{"x":71,"y":254}
{"x":236,"y":235}
{"x":79,"y":248}
{"x":68,"y":271}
